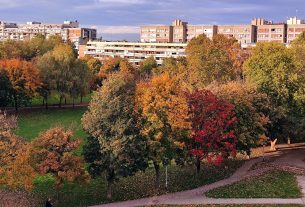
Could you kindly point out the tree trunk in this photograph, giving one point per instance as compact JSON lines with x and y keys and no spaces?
{"x":73,"y":102}
{"x":109,"y":189}
{"x":288,"y":141}
{"x":272,"y":145}
{"x":65,"y":101}
{"x":110,"y":179}
{"x":157,"y":170}
{"x":60,"y":100}
{"x":16,"y":103}
{"x":43,"y":101}
{"x":47,"y":103}
{"x":198,"y":165}
{"x":81,"y":99}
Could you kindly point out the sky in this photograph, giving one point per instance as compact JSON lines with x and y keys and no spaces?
{"x":121,"y":19}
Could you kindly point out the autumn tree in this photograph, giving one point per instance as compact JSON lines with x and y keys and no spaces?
{"x":112,"y":120}
{"x":94,"y":66}
{"x":11,"y":49}
{"x":53,"y":152}
{"x":208,"y":62}
{"x":39,"y":45}
{"x":300,"y":40}
{"x":212,"y":134}
{"x":251,"y":121}
{"x":116,"y":64}
{"x":164,"y":114}
{"x":236,"y":53}
{"x":174,"y":67}
{"x":28,"y":49}
{"x":24,"y":79}
{"x":15,"y":171}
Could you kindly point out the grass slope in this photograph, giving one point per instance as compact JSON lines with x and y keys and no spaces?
{"x":141,"y":185}
{"x":275,"y":184}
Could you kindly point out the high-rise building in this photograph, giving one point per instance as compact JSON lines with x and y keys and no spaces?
{"x":244,"y":34}
{"x":196,"y":30}
{"x":260,"y":30}
{"x":179,"y":31}
{"x":159,"y":33}
{"x":272,"y":33}
{"x":80,"y":36}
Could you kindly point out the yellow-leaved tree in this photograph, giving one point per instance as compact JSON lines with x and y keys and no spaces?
{"x":164,"y":112}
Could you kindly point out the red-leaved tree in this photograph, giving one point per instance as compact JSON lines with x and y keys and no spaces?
{"x":212,"y":135}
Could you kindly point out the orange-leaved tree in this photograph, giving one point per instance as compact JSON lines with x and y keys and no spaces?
{"x":53,"y":152}
{"x":15,"y":171}
{"x":24,"y":79}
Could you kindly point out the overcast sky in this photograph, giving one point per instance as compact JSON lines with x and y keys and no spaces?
{"x":120,"y":19}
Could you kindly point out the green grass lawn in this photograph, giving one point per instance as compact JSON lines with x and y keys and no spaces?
{"x":142,"y":184}
{"x":32,"y":123}
{"x":275,"y":184}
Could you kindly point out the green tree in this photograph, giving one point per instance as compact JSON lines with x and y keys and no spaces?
{"x":62,"y":72}
{"x":5,"y":89}
{"x":147,"y":66}
{"x":81,"y":78}
{"x":274,"y":70}
{"x":112,"y":120}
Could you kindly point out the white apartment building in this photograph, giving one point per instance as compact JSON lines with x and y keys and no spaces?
{"x":21,"y":32}
{"x":135,"y":52}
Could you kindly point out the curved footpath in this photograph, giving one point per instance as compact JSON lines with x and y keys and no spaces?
{"x":287,"y":159}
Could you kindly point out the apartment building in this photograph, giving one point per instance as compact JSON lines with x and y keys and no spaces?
{"x":272,"y":32}
{"x":295,"y":27}
{"x":196,"y":30}
{"x":69,"y":31}
{"x":80,"y":36}
{"x":13,"y":31}
{"x":260,"y":30}
{"x":244,"y":34}
{"x":179,"y":31}
{"x":160,"y":33}
{"x":135,"y":52}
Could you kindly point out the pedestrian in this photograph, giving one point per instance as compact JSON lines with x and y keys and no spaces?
{"x":48,"y":203}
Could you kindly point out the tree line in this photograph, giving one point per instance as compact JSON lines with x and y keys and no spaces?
{"x":217,"y":101}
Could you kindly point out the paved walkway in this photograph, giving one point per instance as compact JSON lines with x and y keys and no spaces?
{"x":196,"y":196}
